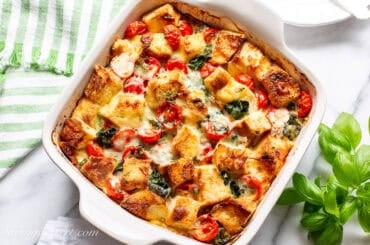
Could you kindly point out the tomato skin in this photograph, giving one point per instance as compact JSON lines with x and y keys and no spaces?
{"x":262,"y":99}
{"x":172,"y":34}
{"x":206,"y":70}
{"x":113,"y":193}
{"x":122,"y":138}
{"x":246,"y":80}
{"x":205,"y":229}
{"x":185,"y":28}
{"x":94,"y":150}
{"x":154,"y":64}
{"x":304,"y":104}
{"x":134,"y":85}
{"x":170,"y":115}
{"x":135,"y":151}
{"x":212,"y":134}
{"x":209,"y":34}
{"x":152,"y":67}
{"x":135,"y":28}
{"x":255,"y":183}
{"x":207,"y":152}
{"x":176,"y":64}
{"x":149,"y":135}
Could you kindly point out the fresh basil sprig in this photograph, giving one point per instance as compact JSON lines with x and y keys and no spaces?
{"x":328,"y":206}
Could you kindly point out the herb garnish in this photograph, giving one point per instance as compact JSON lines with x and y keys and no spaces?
{"x":197,"y":62}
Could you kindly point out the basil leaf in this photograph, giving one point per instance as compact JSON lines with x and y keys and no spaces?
{"x":330,"y":202}
{"x":290,"y":196}
{"x":347,"y":210}
{"x":158,"y":184}
{"x":197,"y":62}
{"x":237,"y":108}
{"x":369,"y":125}
{"x":348,"y":126}
{"x":331,"y":235}
{"x":332,"y":142}
{"x":309,"y":208}
{"x":363,"y":162}
{"x":314,"y":221}
{"x":345,"y":170}
{"x":222,"y":237}
{"x":103,"y":137}
{"x":364,"y":192}
{"x":341,"y":191}
{"x":364,"y":217}
{"x":307,"y":189}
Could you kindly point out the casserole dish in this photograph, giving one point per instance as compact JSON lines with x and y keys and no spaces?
{"x":106,"y":215}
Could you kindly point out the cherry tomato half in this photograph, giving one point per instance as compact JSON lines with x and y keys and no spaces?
{"x":213,"y":132}
{"x":207,"y":152}
{"x":149,"y":134}
{"x":122,"y":138}
{"x":209,"y":34}
{"x":262,"y":99}
{"x":205,"y":229}
{"x":206,"y":70}
{"x":254,"y":183}
{"x":246,"y":80}
{"x":169,"y":114}
{"x":122,"y":65}
{"x":114,"y":192}
{"x":135,"y":28}
{"x":135,"y":151}
{"x":176,"y":64}
{"x":149,"y":68}
{"x":304,"y":104}
{"x":94,"y":150}
{"x":135,"y":85}
{"x":172,"y":34}
{"x":185,"y":28}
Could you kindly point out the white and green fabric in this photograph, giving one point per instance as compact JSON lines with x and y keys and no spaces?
{"x":41,"y":35}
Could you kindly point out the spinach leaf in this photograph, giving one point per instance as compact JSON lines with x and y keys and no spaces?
{"x":292,"y":127}
{"x":226,"y":177}
{"x":119,"y":167}
{"x":235,"y":188}
{"x":197,"y":62}
{"x":158,"y":184}
{"x":222,"y":237}
{"x":103,"y":137}
{"x":237,"y":108}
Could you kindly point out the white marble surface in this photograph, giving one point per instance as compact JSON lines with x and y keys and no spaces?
{"x":36,"y":190}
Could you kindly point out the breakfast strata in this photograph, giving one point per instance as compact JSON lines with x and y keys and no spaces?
{"x":186,"y":126}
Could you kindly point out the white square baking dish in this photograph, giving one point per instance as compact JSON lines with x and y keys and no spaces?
{"x":260,"y":23}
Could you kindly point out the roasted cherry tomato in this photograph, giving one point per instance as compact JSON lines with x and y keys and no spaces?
{"x":122,"y":138}
{"x":135,"y":151}
{"x":114,"y":192}
{"x":134,"y":85}
{"x":148,"y":69}
{"x":173,"y":35}
{"x":207,"y":152}
{"x":205,"y":229}
{"x":304,"y":104}
{"x":262,"y":99}
{"x":216,"y":132}
{"x":149,"y":134}
{"x":206,"y":70}
{"x":209,"y":34}
{"x":169,"y":114}
{"x":107,"y":124}
{"x":254,"y":183}
{"x":246,"y":80}
{"x":185,"y":28}
{"x":135,"y":28}
{"x":176,"y":64}
{"x":94,"y":150}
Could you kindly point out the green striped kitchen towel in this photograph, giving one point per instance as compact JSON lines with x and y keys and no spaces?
{"x":42,"y":35}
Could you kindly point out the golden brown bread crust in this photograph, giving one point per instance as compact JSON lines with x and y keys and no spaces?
{"x":281,"y":88}
{"x":71,"y":135}
{"x":228,"y":158}
{"x":225,"y":45}
{"x":135,"y":174}
{"x":99,"y":169}
{"x":186,"y":142}
{"x":180,"y":171}
{"x":182,"y":213}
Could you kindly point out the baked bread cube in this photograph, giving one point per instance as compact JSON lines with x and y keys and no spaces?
{"x":231,"y":215}
{"x":160,"y":17}
{"x":132,"y":47}
{"x":212,"y":189}
{"x":186,"y":142}
{"x":190,"y":47}
{"x":225,"y":46}
{"x":182,"y":212}
{"x":228,"y":158}
{"x":181,"y":171}
{"x":135,"y":174}
{"x":146,"y":205}
{"x":253,"y":126}
{"x":194,"y":108}
{"x":87,"y":112}
{"x":99,"y":169}
{"x":217,"y":80}
{"x":125,"y":110}
{"x":159,"y":46}
{"x":103,"y":85}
